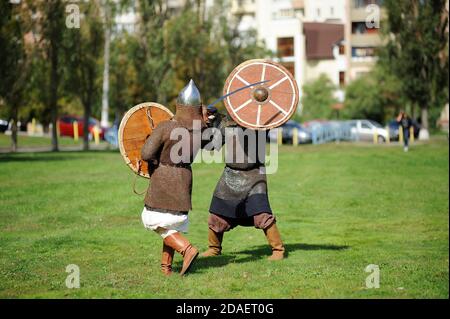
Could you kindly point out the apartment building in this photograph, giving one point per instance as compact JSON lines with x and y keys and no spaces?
{"x":325,"y":11}
{"x":362,"y":34}
{"x":306,"y":35}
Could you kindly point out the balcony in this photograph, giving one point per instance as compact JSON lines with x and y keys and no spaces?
{"x":366,"y":40}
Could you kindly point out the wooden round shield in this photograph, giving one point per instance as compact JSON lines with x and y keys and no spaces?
{"x":136,"y":126}
{"x":266,"y":94}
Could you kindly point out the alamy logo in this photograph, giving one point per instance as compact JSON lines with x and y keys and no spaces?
{"x":373,"y":280}
{"x":73,"y":279}
{"x":73,"y":16}
{"x":373,"y":17}
{"x":241,"y":146}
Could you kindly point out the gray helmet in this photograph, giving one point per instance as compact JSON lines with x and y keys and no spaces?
{"x":190,"y":95}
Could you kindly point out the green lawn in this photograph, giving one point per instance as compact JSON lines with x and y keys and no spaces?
{"x":339,"y":208}
{"x":36,"y":141}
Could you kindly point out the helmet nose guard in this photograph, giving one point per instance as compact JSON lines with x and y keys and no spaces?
{"x":190,"y":95}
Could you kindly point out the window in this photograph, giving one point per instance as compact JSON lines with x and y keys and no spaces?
{"x":361,"y":28}
{"x":285,"y":47}
{"x":318,"y":12}
{"x":332,"y":11}
{"x":365,"y":125}
{"x":376,"y":124}
{"x":363,"y":52}
{"x":286,"y":13}
{"x":341,"y":78}
{"x":341,"y":49}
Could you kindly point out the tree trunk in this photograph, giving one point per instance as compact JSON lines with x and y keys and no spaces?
{"x":87,"y":115}
{"x":14,"y":129}
{"x":424,"y":133}
{"x":54,"y":79}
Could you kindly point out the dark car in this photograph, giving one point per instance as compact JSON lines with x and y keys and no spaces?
{"x":3,"y":125}
{"x":394,"y":126}
{"x":303,"y":134}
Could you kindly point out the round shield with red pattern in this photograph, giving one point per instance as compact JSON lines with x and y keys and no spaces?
{"x":261,"y":94}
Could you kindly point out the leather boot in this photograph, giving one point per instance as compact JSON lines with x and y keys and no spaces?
{"x":215,"y":244}
{"x":274,"y":239}
{"x":166,"y":259}
{"x":184,"y":247}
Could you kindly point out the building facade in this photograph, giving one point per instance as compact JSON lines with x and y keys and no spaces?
{"x":362,"y":34}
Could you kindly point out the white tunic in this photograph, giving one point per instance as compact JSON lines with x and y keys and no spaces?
{"x":165,"y":223}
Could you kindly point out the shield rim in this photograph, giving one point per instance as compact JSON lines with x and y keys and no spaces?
{"x":123,"y":122}
{"x":275,"y":64}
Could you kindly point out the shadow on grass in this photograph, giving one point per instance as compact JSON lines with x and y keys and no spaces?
{"x":50,"y":156}
{"x":40,"y":158}
{"x":254,"y":254}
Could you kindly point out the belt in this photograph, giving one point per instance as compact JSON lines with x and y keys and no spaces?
{"x":162,"y":210}
{"x":180,"y":165}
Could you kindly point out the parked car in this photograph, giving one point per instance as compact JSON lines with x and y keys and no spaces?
{"x":66,"y":126}
{"x":304,"y":135}
{"x":393,"y":129}
{"x":364,"y":130}
{"x":3,"y":125}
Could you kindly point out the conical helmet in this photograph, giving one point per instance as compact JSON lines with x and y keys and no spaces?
{"x":190,"y":95}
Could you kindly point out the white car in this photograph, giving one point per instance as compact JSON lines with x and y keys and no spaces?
{"x":3,"y":126}
{"x":367,"y":130}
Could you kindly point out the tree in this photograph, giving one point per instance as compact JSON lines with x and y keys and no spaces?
{"x":150,"y":56}
{"x":417,"y":52}
{"x":123,"y":76}
{"x":48,"y":30}
{"x":206,"y":47}
{"x":375,"y":96}
{"x":15,"y":60}
{"x":170,"y":48}
{"x":83,"y":53}
{"x":318,"y":99}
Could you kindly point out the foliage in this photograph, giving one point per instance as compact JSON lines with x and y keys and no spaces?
{"x":83,"y":53}
{"x":417,"y":51}
{"x":13,"y":54}
{"x":168,"y":50}
{"x":318,"y":99}
{"x":15,"y":63}
{"x":374,"y":96}
{"x":151,"y":64}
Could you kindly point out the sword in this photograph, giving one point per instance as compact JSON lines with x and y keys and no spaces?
{"x":235,"y":91}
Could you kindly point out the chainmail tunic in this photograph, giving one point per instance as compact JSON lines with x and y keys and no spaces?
{"x":242,"y":188}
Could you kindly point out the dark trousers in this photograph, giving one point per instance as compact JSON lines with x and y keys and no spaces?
{"x":221,"y":224}
{"x":405,"y":137}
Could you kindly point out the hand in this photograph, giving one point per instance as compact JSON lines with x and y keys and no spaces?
{"x":209,"y":114}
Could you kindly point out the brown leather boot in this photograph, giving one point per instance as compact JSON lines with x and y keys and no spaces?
{"x":274,"y":239}
{"x":215,"y":244}
{"x":184,"y":247}
{"x":166,"y":259}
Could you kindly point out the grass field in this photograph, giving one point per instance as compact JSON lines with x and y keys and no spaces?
{"x":339,"y":208}
{"x":36,"y":141}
